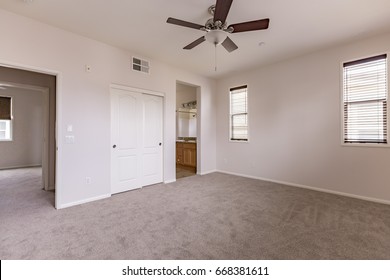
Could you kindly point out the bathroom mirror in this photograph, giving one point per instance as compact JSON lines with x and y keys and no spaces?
{"x":186,"y":122}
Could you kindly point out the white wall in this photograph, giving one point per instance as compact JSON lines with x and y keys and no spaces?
{"x":184,"y":94}
{"x":25,"y":149}
{"x":294,"y":126}
{"x":84,"y":101}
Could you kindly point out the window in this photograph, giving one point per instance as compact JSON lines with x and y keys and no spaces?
{"x":5,"y":130}
{"x":239,"y":113}
{"x":5,"y":118}
{"x":365,"y":100}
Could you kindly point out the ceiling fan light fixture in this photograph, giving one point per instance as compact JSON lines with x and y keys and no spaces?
{"x":216,"y":28}
{"x":216,"y":37}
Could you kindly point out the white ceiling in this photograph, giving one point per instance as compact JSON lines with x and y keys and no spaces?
{"x":296,"y":27}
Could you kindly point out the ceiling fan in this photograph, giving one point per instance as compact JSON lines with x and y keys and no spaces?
{"x":217,"y":28}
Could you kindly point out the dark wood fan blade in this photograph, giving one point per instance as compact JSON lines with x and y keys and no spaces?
{"x":222,"y":8}
{"x":195,"y":43}
{"x":229,"y":45}
{"x":184,"y":23}
{"x":250,"y":25}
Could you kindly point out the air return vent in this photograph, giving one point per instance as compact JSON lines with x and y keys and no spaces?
{"x":141,"y":65}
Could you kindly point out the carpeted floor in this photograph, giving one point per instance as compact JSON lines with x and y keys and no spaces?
{"x":216,"y":216}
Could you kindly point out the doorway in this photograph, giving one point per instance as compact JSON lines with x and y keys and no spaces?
{"x":29,"y":150}
{"x":136,"y":139}
{"x":186,"y":130}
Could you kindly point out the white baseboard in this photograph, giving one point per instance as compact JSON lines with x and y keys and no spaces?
{"x":208,"y":172}
{"x":67,"y":205}
{"x":21,"y":166}
{"x":367,"y":198}
{"x":169,"y":181}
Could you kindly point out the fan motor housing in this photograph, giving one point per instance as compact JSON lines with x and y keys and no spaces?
{"x":216,"y":25}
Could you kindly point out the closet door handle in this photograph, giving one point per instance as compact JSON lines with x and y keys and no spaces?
{"x":114,"y":146}
{"x":159,"y":144}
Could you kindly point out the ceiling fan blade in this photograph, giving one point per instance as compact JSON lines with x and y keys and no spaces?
{"x":195,"y":43}
{"x":184,"y":23}
{"x":222,"y":8}
{"x":229,"y":45}
{"x":250,"y":25}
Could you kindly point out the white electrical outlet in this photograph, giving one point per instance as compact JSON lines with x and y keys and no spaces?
{"x":69,"y":139}
{"x":88,"y":180}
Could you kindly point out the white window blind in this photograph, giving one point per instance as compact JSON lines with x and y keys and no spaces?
{"x":365,"y":100}
{"x":239,"y":113}
{"x":5,"y":130}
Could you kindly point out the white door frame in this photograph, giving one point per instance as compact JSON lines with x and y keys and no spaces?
{"x":198,"y":126}
{"x":149,"y":92}
{"x":58,"y":124}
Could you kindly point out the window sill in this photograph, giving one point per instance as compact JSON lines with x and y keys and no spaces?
{"x":365,"y":145}
{"x":237,"y":141}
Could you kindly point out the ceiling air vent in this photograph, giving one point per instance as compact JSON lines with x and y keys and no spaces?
{"x":141,"y":65}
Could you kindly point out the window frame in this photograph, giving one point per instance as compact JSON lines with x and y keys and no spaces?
{"x":10,"y":139}
{"x":231,"y":115}
{"x":342,"y":127}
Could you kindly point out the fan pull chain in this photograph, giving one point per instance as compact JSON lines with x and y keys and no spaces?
{"x":215,"y":62}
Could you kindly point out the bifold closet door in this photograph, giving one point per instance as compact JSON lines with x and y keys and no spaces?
{"x":136,"y":139}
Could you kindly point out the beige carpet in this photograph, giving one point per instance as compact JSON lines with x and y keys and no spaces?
{"x":216,"y":216}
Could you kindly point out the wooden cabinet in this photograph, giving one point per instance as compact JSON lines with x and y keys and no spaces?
{"x":189,"y":154}
{"x":186,"y":154}
{"x":179,"y":153}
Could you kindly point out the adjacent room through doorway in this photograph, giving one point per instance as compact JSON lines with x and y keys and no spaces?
{"x":27,"y":135}
{"x":186,"y":130}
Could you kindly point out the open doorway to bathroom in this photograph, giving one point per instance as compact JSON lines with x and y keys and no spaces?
{"x":186,"y":130}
